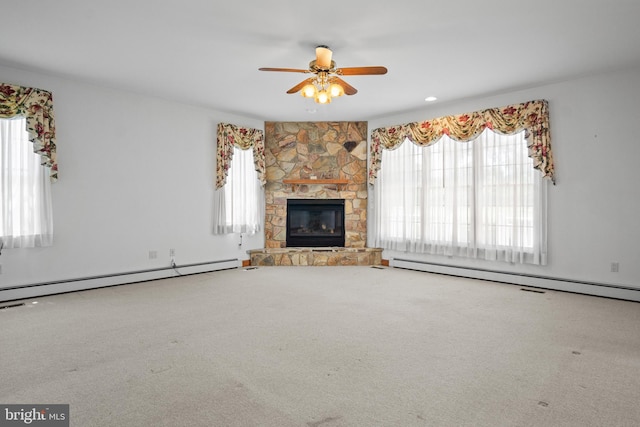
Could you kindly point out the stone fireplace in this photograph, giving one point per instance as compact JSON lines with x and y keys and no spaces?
{"x":316,"y":161}
{"x":317,"y":164}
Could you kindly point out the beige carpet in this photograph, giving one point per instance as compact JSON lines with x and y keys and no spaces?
{"x":324,"y":347}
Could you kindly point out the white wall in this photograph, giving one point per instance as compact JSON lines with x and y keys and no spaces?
{"x":136,"y":174}
{"x":594,"y":210}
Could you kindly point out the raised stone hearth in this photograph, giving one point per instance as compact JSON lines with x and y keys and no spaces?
{"x":315,"y":256}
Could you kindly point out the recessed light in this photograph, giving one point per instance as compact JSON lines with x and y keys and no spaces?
{"x":311,"y":110}
{"x":430,"y":98}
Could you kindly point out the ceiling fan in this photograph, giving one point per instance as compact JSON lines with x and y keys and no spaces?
{"x":326,"y":82}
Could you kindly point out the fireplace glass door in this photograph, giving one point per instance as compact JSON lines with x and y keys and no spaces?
{"x":315,"y":223}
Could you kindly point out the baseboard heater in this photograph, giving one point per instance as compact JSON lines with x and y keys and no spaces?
{"x":545,"y":282}
{"x":92,"y":282}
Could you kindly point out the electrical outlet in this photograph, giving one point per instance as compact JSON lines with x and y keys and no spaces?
{"x":153,"y":254}
{"x":615,"y":267}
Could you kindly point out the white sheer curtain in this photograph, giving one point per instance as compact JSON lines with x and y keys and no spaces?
{"x":26,"y":218}
{"x":238,"y":205}
{"x":480,"y":199}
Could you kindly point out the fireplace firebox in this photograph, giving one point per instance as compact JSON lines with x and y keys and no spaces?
{"x":315,"y":222}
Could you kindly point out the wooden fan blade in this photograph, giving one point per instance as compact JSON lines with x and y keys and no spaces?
{"x":288,"y":70}
{"x":360,"y":71}
{"x":300,"y":85}
{"x":348,"y":89}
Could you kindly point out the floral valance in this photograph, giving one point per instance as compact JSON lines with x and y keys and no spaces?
{"x":243,"y":138}
{"x":36,"y":106}
{"x":532,"y":117}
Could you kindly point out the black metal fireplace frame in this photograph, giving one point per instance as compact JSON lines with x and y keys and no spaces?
{"x":316,"y":240}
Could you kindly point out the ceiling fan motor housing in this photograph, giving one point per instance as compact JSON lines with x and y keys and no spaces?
{"x":313,"y":65}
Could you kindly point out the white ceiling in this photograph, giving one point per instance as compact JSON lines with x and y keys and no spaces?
{"x":207,"y":53}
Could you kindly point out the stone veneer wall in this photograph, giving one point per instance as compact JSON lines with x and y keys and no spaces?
{"x":327,"y":150}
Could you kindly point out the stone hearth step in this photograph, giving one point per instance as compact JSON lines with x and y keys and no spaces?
{"x":315,"y":256}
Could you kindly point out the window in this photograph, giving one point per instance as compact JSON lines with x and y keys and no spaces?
{"x":239,"y":202}
{"x":25,"y":195}
{"x":480,"y":199}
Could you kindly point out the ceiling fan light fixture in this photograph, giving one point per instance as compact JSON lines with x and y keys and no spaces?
{"x":323,"y":97}
{"x":309,"y":91}
{"x":336,"y":90}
